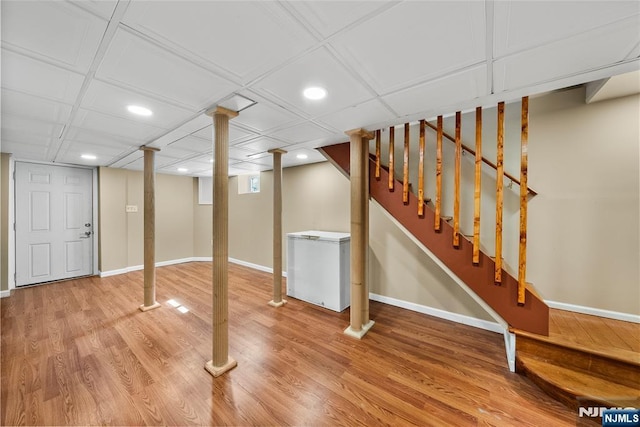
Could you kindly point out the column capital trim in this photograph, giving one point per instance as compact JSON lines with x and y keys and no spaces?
{"x":277,"y":150}
{"x":146,"y":148}
{"x":213,"y":111}
{"x":365,"y":134}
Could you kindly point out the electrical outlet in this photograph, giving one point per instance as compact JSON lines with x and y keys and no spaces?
{"x":131,"y":208}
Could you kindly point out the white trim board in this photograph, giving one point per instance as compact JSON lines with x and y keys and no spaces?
{"x":5,"y":294}
{"x":255,"y":266}
{"x":141,"y":267}
{"x":442,"y":314}
{"x":625,"y":317}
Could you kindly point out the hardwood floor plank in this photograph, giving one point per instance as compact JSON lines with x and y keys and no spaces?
{"x":81,"y":353}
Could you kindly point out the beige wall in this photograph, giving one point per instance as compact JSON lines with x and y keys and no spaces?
{"x":121,"y":233}
{"x":316,"y":197}
{"x":4,"y":221}
{"x":584,"y":224}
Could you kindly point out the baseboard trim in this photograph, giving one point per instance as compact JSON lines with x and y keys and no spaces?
{"x":442,"y":314}
{"x":141,"y":267}
{"x":191,"y":259}
{"x":254,"y":266}
{"x":625,"y":317}
{"x":5,"y":294}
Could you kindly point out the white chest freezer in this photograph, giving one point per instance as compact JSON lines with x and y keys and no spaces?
{"x":318,"y":268}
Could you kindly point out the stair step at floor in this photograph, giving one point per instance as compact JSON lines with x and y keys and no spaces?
{"x":585,"y":360}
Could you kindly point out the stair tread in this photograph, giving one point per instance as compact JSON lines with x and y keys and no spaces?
{"x":617,"y":354}
{"x":576,"y":383}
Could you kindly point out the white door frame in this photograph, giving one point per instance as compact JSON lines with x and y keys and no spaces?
{"x":12,"y":222}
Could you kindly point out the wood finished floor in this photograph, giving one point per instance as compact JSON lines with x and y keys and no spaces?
{"x":81,"y":353}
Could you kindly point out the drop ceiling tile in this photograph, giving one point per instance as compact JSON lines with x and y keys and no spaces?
{"x":587,"y":51}
{"x":99,"y":138}
{"x":29,"y":106}
{"x":193,"y":144}
{"x":262,"y":34}
{"x":240,"y":154}
{"x":359,"y":116}
{"x":131,"y":130}
{"x":318,"y":68}
{"x":34,"y":77}
{"x":248,"y":167}
{"x":134,"y":62}
{"x":328,"y":17}
{"x":103,"y":8}
{"x":112,"y":100}
{"x":420,"y":40}
{"x":235,"y":134}
{"x":522,"y":25}
{"x":263,"y":117}
{"x":302,"y":133}
{"x":291,"y":158}
{"x":261,"y":144}
{"x":72,"y":151}
{"x":438,"y":96}
{"x":21,"y":129}
{"x":54,"y":31}
{"x":24,"y":151}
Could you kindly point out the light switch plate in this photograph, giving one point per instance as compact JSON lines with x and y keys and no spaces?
{"x":131,"y":208}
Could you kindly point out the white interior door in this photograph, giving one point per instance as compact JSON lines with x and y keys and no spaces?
{"x":54,"y":229}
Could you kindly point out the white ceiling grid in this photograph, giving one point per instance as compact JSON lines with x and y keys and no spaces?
{"x":70,"y":69}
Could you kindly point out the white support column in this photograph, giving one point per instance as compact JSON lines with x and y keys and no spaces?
{"x":277,"y":300}
{"x":221,"y":362}
{"x":149,"y":229}
{"x":359,"y":177}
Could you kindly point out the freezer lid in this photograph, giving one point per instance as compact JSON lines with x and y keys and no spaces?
{"x":331,"y":236}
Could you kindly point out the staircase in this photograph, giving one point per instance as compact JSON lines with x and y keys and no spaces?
{"x":566,"y":361}
{"x":532,"y":317}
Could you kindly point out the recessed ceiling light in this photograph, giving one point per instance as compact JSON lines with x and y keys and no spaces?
{"x":183,"y":170}
{"x":211,"y":160}
{"x":88,"y":156}
{"x":141,"y":111}
{"x":315,"y":93}
{"x":302,"y":156}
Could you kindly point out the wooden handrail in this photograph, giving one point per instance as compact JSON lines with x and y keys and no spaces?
{"x":437,"y":219}
{"x":421,"y":170}
{"x":378,"y":154}
{"x":484,"y":160}
{"x":456,"y":180}
{"x":405,"y":166}
{"x":477,"y":188}
{"x":524,"y":160}
{"x":499,"y":193}
{"x":391,"y":158}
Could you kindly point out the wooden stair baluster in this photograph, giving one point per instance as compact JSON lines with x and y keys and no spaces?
{"x":378,"y":154}
{"x":421,"y":171}
{"x":499,"y":193}
{"x":524,"y":161}
{"x":436,"y":222}
{"x":478,"y":187}
{"x":405,"y":166}
{"x":391,"y":158}
{"x":456,"y":194}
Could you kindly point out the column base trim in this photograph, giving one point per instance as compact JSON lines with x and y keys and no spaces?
{"x":272,"y":303}
{"x":150,"y":307}
{"x":216,"y":371}
{"x":359,"y":334}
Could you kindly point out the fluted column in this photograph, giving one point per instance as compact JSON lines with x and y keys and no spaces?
{"x":221,"y":362}
{"x":359,"y":245}
{"x":277,"y":300}
{"x":149,"y":229}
